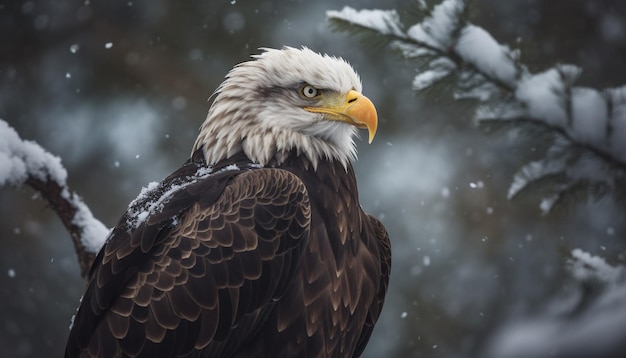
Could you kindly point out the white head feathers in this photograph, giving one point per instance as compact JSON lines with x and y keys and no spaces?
{"x":258,"y":109}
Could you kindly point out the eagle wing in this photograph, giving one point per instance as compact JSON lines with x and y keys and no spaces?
{"x":381,"y":236}
{"x":202,"y":273}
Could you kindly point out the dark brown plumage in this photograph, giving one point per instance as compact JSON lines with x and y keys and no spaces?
{"x":237,"y":259}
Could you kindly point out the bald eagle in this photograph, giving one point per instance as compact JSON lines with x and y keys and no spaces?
{"x":257,"y":246}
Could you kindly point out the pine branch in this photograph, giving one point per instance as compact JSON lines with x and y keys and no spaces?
{"x":585,"y":320}
{"x":420,"y":40}
{"x":25,"y":162}
{"x":588,"y":124}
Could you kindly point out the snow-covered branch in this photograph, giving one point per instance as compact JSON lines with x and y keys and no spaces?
{"x":25,"y":162}
{"x":588,"y":126}
{"x":587,"y":322}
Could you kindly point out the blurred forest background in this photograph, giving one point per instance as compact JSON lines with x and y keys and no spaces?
{"x":119,"y":89}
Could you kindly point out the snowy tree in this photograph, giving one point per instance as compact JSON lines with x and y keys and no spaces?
{"x":588,"y":323}
{"x":586,"y":126}
{"x":586,"y":154}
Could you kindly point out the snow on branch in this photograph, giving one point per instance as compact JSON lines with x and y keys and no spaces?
{"x":586,"y":267}
{"x":587,"y":126}
{"x":25,"y":162}
{"x":587,"y":322}
{"x":383,"y":22}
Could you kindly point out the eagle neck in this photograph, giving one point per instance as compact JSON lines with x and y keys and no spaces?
{"x":264,"y":147}
{"x":333,"y":193}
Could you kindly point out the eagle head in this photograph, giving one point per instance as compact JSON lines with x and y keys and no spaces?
{"x":284,"y":100}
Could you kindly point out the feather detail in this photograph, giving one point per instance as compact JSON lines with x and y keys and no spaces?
{"x":257,"y":246}
{"x":256,"y":109}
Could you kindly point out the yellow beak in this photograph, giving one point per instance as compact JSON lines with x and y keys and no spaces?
{"x":352,"y":108}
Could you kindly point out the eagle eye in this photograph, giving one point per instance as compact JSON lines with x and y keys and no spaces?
{"x":308,"y":91}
